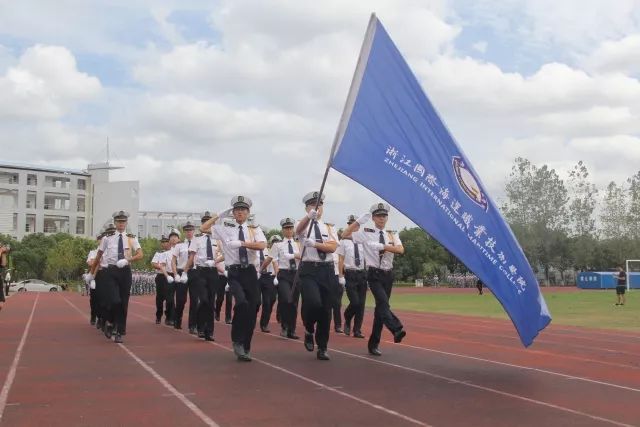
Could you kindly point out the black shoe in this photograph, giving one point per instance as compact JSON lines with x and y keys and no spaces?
{"x":374,"y":351}
{"x":168,"y":322}
{"x":347,"y":330}
{"x":217,"y":317}
{"x":193,"y":331}
{"x":358,"y":334}
{"x":99,"y":324}
{"x":208,"y":338}
{"x":399,"y":335}
{"x":177,"y":326}
{"x":265,"y":329}
{"x":339,"y":330}
{"x":108,"y":331}
{"x":238,"y":350}
{"x":200,"y":334}
{"x":322,"y":355}
{"x":308,"y":341}
{"x":118,"y":339}
{"x":284,"y":333}
{"x":227,"y":321}
{"x":92,"y":322}
{"x":292,"y":336}
{"x":157,"y":321}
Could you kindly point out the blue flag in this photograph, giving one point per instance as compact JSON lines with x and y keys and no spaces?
{"x":392,"y":141}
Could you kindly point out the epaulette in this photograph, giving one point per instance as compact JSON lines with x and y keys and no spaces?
{"x":110,"y":233}
{"x":329,"y":224}
{"x":391,"y":231}
{"x":253,"y":226}
{"x":369,"y":230}
{"x":198,"y":235}
{"x":229,"y":224}
{"x":131,"y":235}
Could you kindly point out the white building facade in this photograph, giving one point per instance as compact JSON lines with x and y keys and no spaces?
{"x":155,"y":223}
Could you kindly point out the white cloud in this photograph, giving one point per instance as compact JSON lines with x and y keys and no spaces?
{"x":480,"y":46}
{"x":621,"y":56}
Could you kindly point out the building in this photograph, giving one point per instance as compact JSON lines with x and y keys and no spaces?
{"x":42,"y":199}
{"x":155,"y":224}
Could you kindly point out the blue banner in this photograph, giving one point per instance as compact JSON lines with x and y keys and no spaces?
{"x":392,"y":141}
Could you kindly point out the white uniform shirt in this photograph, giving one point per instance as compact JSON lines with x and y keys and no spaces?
{"x":109,"y":247}
{"x":92,"y":255}
{"x":181,"y":252}
{"x":158,"y":258}
{"x":279,"y":249}
{"x":199,"y":246}
{"x":371,"y":256}
{"x":311,"y":254}
{"x":168,"y":257}
{"x":229,"y":230}
{"x":346,"y":249}
{"x":336,"y":260}
{"x":267,"y":253}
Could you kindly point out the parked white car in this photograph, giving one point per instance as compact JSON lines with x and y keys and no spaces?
{"x":33,"y":285}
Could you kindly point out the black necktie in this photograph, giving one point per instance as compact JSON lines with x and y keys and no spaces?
{"x":262,"y":261}
{"x":244,"y":256}
{"x":189,"y":244}
{"x":381,"y":240}
{"x":120,"y":247}
{"x":316,"y":229}
{"x":356,"y":254}
{"x":292,"y":262}
{"x":209,"y":248}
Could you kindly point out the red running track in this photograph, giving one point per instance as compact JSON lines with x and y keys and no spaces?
{"x":450,"y":370}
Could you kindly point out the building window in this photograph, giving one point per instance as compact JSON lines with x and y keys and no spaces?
{"x":8,"y":178}
{"x":57,"y":182}
{"x":32,"y":179}
{"x":81,"y":204}
{"x":155,"y":230}
{"x":56,"y":224}
{"x":30,"y":225}
{"x":31,"y":200}
{"x":8,"y":199}
{"x":54,"y":201}
{"x":80,"y":226}
{"x":82,"y":184}
{"x":15,"y":222}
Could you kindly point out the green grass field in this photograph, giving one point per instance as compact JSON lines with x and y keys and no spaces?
{"x":589,"y":308}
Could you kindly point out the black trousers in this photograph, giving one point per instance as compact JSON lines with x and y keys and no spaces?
{"x":288,"y":303}
{"x":192,"y":288}
{"x":93,"y":303}
{"x":356,"y":288}
{"x":161,"y":295}
{"x":319,"y":291}
{"x":101,"y":296}
{"x":268,"y":294}
{"x":181,"y":299}
{"x":380,"y":283}
{"x":117,"y":284}
{"x":337,"y":306}
{"x":171,"y":300}
{"x":223,"y":296}
{"x":246,"y":293}
{"x":207,"y":284}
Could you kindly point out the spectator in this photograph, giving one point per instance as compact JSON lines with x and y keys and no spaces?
{"x":621,"y":288}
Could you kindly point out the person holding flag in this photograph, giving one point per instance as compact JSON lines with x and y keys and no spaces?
{"x":380,"y":246}
{"x":317,"y":278}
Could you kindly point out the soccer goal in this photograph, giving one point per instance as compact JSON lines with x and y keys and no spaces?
{"x":632,"y":267}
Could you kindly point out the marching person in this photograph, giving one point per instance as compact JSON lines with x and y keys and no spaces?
{"x":203,"y":258}
{"x":93,"y":296}
{"x":336,"y":309}
{"x":162,"y":283}
{"x":317,"y":277}
{"x":119,"y":250}
{"x":99,"y":280}
{"x":353,"y":278}
{"x":286,"y":257}
{"x":380,"y":246}
{"x":268,"y":283}
{"x":240,"y":245}
{"x":169,"y":266}
{"x":223,"y":295}
{"x":179,"y":261}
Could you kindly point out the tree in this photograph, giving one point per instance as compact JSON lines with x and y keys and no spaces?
{"x":149,"y":245}
{"x":633,"y":212}
{"x":582,"y":202}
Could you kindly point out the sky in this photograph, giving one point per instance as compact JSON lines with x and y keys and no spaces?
{"x":201,"y":101}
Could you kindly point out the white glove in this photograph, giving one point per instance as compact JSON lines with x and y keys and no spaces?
{"x":289,"y":257}
{"x":310,"y":243}
{"x":275,"y":281}
{"x":342,"y":281}
{"x":226,"y":288}
{"x":169,"y":279}
{"x":258,"y":274}
{"x":184,"y":278}
{"x":234,"y":244}
{"x":92,"y":284}
{"x":376,"y":246}
{"x":226,"y":213}
{"x":209,"y":263}
{"x":88,"y":278}
{"x":364,"y":218}
{"x":312,"y":214}
{"x":226,"y":274}
{"x":122,"y":263}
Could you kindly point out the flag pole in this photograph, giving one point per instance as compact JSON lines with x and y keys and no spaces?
{"x":342,"y":125}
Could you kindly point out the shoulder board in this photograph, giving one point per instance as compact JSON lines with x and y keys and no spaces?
{"x":229,"y":224}
{"x":369,"y":230}
{"x":131,"y":235}
{"x":329,"y":224}
{"x":199,"y":235}
{"x":111,"y":233}
{"x":253,"y":226}
{"x":391,"y":231}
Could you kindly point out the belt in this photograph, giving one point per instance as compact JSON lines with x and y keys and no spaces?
{"x":318,"y":263}
{"x":379,"y":270}
{"x":288,"y":269}
{"x":241,"y":267}
{"x":202,"y":267}
{"x":353,"y":270}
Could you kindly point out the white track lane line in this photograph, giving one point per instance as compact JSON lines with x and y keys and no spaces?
{"x":171,"y":389}
{"x":11,"y":375}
